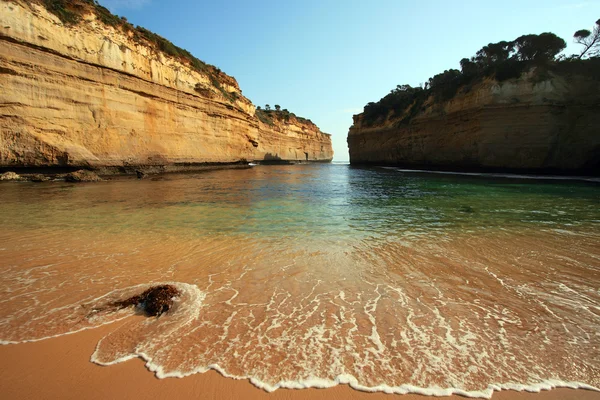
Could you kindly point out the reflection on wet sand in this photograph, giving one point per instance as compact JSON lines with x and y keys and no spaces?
{"x":461,"y":313}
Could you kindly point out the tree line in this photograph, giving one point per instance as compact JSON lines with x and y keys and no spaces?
{"x":267,"y":115}
{"x":503,"y":60}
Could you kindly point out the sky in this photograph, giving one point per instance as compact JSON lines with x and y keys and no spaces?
{"x":326,"y":59}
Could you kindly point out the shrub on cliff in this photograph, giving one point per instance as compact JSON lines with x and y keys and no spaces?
{"x":502,"y":60}
{"x":269,"y":116}
{"x":71,"y":11}
{"x":64,"y":10}
{"x":397,"y":101}
{"x":264,"y":116}
{"x":445,"y":85}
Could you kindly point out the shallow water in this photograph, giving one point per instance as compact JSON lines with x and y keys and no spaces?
{"x":310,"y":275}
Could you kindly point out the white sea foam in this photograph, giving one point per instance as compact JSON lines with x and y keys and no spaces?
{"x":500,"y":175}
{"x":353,"y":382}
{"x":188,"y":310}
{"x":435,"y":318}
{"x":189,"y":306}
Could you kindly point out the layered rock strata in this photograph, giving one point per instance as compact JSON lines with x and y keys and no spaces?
{"x":89,"y":95}
{"x":526,"y":124}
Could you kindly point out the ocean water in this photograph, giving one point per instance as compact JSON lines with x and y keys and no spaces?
{"x":315,"y":275}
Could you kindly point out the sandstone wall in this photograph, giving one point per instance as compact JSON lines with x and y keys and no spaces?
{"x":549,"y":126}
{"x":89,"y":95}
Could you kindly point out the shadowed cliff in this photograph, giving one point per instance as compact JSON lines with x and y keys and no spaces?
{"x":511,"y":108}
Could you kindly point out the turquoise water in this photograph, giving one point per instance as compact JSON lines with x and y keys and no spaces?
{"x":311,"y":202}
{"x":315,"y":275}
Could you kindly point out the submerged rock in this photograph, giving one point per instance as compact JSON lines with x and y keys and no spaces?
{"x":10,"y":176}
{"x":39,"y":178}
{"x":82,"y":175}
{"x":153,"y":301}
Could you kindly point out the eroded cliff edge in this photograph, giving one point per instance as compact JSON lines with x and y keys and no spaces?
{"x":91,"y":94}
{"x":543,"y":121}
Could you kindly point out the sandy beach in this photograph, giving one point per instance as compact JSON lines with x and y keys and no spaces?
{"x":437,"y":282}
{"x":418,"y":215}
{"x":59,"y":368}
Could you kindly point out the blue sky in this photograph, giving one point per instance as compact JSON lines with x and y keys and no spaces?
{"x":326,"y":59}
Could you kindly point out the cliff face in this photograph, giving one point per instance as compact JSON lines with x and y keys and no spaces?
{"x":90,"y":95}
{"x":549,"y":126}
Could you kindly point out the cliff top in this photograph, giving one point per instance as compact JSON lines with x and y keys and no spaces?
{"x":532,"y":57}
{"x":72,"y":12}
{"x":279,"y":116}
{"x":75,"y":12}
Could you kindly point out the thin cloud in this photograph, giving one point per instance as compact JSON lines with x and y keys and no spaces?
{"x":115,"y":5}
{"x":576,"y":5}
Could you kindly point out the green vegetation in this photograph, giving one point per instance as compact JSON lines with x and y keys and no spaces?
{"x":107,"y":17}
{"x":589,"y":40}
{"x":64,"y":10}
{"x":70,"y":13}
{"x":269,"y":116}
{"x":500,"y":61}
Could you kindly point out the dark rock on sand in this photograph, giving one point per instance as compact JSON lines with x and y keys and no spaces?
{"x":154,"y":301}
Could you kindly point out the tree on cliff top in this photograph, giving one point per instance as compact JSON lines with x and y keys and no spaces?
{"x":468,"y":67}
{"x":494,"y":53}
{"x":503,"y":60}
{"x":590,"y":41}
{"x":543,"y":47}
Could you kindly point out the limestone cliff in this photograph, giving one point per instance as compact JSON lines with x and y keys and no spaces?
{"x":92,"y":94}
{"x":540,"y":122}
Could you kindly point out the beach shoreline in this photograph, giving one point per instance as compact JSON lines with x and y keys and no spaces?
{"x":60,"y":368}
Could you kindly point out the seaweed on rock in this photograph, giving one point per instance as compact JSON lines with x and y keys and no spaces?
{"x":153,"y":301}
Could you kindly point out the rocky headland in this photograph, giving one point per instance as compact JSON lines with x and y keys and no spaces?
{"x":82,"y":88}
{"x":501,"y":113}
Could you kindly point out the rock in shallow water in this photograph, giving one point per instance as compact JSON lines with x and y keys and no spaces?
{"x":39,"y":178}
{"x":10,"y":176}
{"x":82,"y":176}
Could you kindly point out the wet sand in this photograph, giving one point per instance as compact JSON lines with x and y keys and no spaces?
{"x":59,"y":368}
{"x":298,"y":276}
